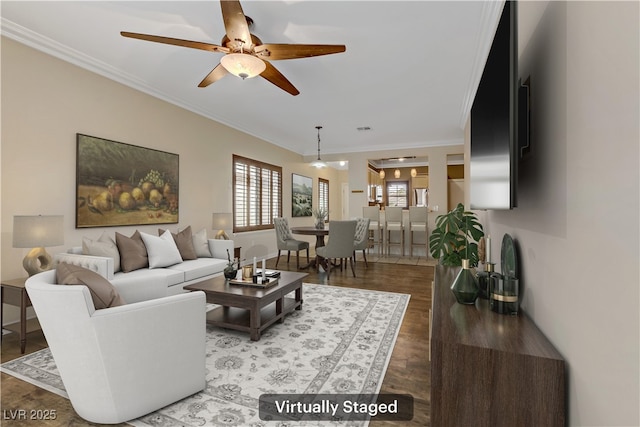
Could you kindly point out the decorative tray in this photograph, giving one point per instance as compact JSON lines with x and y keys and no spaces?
{"x":249,"y":282}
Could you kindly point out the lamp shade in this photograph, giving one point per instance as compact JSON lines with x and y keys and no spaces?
{"x":396,"y":173}
{"x":243,"y":65}
{"x":30,"y":231}
{"x":37,"y":232}
{"x":414,"y":172}
{"x":382,"y":174}
{"x":222,"y":222}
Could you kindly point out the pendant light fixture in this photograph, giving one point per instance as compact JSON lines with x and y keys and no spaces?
{"x":382,"y":173}
{"x":396,"y":173}
{"x":414,"y":172}
{"x":318,"y":163}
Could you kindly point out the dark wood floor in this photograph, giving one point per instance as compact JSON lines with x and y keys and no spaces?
{"x":408,"y":371}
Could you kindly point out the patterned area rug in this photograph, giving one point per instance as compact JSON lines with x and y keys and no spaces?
{"x":340,"y":342}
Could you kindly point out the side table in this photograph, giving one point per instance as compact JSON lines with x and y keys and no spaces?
{"x":14,"y":293}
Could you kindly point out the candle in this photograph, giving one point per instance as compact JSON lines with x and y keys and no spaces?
{"x":264,"y":269}
{"x":488,"y":249}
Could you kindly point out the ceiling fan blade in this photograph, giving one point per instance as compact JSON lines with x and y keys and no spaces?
{"x":176,"y":42}
{"x":215,"y":75}
{"x":276,"y":77}
{"x":235,"y":23}
{"x":274,"y":51}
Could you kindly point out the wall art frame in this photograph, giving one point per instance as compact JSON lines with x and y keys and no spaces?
{"x":301,"y":195}
{"x":120,"y":184}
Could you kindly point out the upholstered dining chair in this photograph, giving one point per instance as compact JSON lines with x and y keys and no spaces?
{"x":418,"y":223}
{"x":393,"y":222}
{"x":340,"y":245}
{"x":122,"y":362}
{"x":361,"y":241}
{"x":286,"y":242}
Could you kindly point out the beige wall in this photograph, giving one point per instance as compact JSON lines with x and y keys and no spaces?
{"x":576,"y":224}
{"x":45,"y":102}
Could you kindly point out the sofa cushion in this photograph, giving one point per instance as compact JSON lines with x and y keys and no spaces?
{"x":184,"y":242}
{"x":105,"y":246}
{"x":103,"y":293}
{"x":201,"y":267}
{"x":201,"y":244}
{"x":133,"y":252}
{"x":162,"y":250}
{"x":146,"y":284}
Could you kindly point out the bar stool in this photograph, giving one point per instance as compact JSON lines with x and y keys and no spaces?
{"x":418,"y":222}
{"x":373,"y":213}
{"x":393,"y":222}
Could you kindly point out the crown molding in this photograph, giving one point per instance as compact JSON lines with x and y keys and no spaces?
{"x":490,"y":17}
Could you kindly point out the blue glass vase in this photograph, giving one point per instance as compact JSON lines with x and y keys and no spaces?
{"x":465,"y":286}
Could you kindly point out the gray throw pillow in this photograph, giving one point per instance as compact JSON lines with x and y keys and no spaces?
{"x":133,"y":252}
{"x":184,"y":242}
{"x":103,"y":294}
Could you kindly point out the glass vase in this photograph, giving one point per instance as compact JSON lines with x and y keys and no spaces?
{"x":465,"y":286}
{"x":503,"y":297}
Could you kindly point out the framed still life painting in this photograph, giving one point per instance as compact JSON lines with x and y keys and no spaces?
{"x":121,"y":184}
{"x":302,"y":195}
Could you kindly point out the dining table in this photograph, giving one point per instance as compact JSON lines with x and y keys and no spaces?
{"x":320,"y":233}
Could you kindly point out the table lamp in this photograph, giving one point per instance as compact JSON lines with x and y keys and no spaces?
{"x":37,"y":231}
{"x":222,"y":222}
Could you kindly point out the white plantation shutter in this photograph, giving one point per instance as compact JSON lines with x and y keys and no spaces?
{"x":398,"y":193}
{"x":257,"y":194}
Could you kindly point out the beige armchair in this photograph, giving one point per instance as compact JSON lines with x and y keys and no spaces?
{"x":340,"y":245}
{"x":286,"y":242}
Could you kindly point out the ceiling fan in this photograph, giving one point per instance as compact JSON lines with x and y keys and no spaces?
{"x":245,"y":54}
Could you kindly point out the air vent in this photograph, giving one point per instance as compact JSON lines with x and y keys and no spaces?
{"x":364,"y":128}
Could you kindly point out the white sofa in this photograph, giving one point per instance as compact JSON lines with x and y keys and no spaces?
{"x":122,"y":362}
{"x":151,"y":283}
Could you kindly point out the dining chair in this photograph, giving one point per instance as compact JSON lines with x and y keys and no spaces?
{"x":340,"y":245}
{"x":361,"y":240}
{"x":286,"y":242}
{"x":418,"y":223}
{"x":375,"y":226}
{"x":393,"y":222}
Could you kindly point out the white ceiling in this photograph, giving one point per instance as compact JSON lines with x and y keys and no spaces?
{"x":409,"y":71}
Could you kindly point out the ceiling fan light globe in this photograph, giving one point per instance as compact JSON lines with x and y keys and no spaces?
{"x":243,"y":65}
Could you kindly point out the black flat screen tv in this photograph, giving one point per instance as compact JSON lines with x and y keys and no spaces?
{"x":494,"y":121}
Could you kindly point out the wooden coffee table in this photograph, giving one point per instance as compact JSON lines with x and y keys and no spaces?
{"x":251,"y":309}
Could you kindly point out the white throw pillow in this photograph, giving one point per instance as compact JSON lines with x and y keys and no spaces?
{"x":105,"y":246}
{"x":162,"y":250}
{"x":201,"y":244}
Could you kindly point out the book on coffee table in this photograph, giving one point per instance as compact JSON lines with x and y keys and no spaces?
{"x":249,"y":282}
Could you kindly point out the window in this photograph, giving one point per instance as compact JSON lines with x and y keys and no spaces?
{"x":323,"y":195}
{"x":398,"y":193}
{"x":257,"y":194}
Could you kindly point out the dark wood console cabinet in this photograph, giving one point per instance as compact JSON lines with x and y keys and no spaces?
{"x":489,"y":369}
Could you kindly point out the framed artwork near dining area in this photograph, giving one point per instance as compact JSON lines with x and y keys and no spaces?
{"x":301,"y":195}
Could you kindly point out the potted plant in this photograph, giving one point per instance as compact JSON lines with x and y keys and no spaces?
{"x":320,"y":215}
{"x":456,"y":237}
{"x":231,"y":270}
{"x":454,"y":242}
